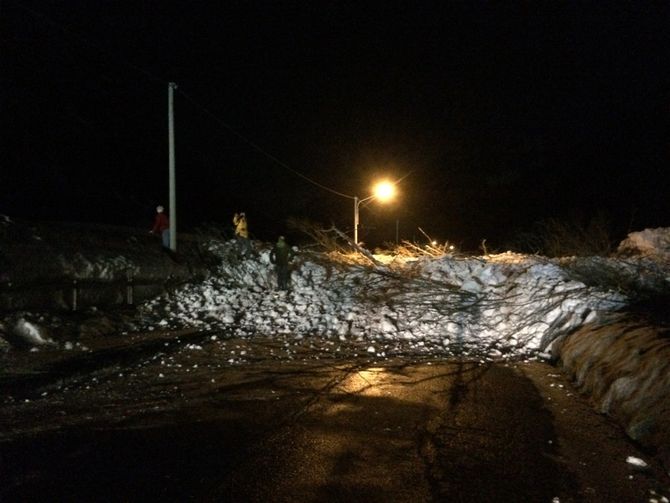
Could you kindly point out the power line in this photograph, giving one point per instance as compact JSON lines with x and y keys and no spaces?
{"x":256,"y":147}
{"x":274,"y":159}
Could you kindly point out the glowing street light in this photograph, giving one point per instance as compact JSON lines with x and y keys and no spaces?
{"x":384,"y":191}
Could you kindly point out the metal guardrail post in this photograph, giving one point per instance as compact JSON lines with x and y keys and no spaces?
{"x":129,"y":288}
{"x":74,"y":294}
{"x":74,"y":285}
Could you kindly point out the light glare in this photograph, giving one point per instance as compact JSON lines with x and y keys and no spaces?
{"x":384,"y":191}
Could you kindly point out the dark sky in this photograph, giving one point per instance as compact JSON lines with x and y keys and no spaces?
{"x":497,"y":114}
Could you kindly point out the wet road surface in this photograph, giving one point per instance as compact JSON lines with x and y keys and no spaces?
{"x":195,"y":417}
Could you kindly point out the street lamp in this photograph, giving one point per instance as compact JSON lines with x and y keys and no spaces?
{"x":383,"y":191}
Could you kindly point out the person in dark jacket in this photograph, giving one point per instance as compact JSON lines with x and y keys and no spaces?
{"x":281,"y":256}
{"x":162,"y":226}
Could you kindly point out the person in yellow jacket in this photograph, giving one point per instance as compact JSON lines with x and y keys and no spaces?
{"x":242,"y":233}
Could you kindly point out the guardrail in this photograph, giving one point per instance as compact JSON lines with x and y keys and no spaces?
{"x":76,"y":285}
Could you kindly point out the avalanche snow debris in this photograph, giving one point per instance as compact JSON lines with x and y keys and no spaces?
{"x":522,"y":301}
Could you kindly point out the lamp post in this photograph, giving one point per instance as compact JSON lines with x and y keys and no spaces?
{"x":357,"y":204}
{"x":384,"y":191}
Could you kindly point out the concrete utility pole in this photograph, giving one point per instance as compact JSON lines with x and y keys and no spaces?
{"x":173,"y":195}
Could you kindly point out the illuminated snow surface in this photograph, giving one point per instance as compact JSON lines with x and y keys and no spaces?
{"x":502,"y":305}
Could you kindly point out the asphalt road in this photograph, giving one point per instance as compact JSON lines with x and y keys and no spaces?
{"x":199,"y":418}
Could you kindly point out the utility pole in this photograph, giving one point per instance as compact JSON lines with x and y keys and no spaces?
{"x":173,"y":195}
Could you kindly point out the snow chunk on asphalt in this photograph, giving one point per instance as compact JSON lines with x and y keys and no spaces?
{"x":637,"y":462}
{"x":31,"y":333}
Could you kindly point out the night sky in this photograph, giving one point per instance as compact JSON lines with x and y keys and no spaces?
{"x":495,"y":115}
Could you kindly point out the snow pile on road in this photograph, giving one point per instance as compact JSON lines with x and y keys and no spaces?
{"x":505,"y":303}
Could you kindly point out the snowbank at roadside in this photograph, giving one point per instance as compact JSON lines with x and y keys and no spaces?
{"x":624,"y":367}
